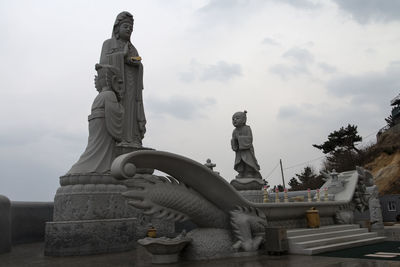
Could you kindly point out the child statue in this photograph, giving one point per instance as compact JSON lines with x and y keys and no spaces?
{"x":105,"y":124}
{"x":242,"y":143}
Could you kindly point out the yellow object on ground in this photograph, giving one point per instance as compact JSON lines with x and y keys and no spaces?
{"x":312,"y":218}
{"x":151,"y":232}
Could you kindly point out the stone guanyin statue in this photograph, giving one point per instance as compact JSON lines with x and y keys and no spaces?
{"x":120,"y":52}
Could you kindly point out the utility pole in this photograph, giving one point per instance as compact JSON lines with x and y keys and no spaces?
{"x":283,"y":177}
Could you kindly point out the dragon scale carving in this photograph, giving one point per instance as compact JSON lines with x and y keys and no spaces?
{"x":170,"y":199}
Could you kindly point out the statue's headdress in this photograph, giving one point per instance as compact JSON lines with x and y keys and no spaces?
{"x":123,"y":17}
{"x":241,"y":114}
{"x":109,"y":72}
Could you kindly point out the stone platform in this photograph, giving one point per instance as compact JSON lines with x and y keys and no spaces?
{"x":32,"y":255}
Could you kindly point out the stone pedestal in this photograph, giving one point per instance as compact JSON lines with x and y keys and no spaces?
{"x":5,"y":224}
{"x":92,"y":216}
{"x":256,"y":196}
{"x":241,"y":184}
{"x":67,"y":238}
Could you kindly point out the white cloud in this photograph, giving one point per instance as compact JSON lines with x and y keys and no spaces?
{"x":374,"y":87}
{"x":181,"y":107}
{"x":220,"y":71}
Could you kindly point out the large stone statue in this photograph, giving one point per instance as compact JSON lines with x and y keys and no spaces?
{"x":242,"y":143}
{"x":90,"y":214}
{"x":119,"y":52}
{"x":105,"y":124}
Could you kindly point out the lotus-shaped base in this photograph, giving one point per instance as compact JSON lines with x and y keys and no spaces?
{"x":241,"y":184}
{"x":165,"y":250}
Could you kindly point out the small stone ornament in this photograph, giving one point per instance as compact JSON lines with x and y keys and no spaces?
{"x":165,"y":250}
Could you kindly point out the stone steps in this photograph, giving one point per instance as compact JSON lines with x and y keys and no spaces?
{"x":303,"y":238}
{"x":323,"y":229}
{"x":329,"y":238}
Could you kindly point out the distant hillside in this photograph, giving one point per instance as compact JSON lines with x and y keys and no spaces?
{"x":384,"y":161}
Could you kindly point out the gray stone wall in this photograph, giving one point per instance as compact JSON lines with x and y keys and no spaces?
{"x":22,"y":222}
{"x":387,"y":214}
{"x":392,"y":232}
{"x":5,"y":224}
{"x":29,"y":220}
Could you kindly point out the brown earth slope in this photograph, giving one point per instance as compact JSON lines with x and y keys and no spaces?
{"x":385,"y":164}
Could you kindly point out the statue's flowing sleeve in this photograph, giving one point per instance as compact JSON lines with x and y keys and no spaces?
{"x":113,"y":115}
{"x":245,"y":140}
{"x":112,"y":56}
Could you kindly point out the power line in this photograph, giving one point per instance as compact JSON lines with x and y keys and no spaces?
{"x":305,"y":162}
{"x":308,"y":161}
{"x":269,"y":174}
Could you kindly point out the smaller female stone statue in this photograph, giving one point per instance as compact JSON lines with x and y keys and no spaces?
{"x":105,"y":124}
{"x":242,"y":143}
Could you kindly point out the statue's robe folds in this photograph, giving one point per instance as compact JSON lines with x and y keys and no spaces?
{"x":105,"y":128}
{"x":134,"y":121}
{"x":242,"y":144}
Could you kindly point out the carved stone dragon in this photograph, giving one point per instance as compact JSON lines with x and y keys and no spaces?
{"x":193,"y":191}
{"x":170,"y":198}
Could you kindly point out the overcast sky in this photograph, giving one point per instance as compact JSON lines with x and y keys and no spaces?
{"x":300,"y":68}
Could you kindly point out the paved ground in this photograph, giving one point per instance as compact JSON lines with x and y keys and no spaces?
{"x":32,"y":255}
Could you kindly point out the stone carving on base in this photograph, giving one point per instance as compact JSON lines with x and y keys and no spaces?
{"x":360,"y":197}
{"x":209,"y":243}
{"x":120,"y":52}
{"x":242,"y":221}
{"x":345,"y":215}
{"x":86,"y":237}
{"x":249,"y":177}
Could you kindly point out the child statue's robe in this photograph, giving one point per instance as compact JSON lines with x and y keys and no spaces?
{"x":242,"y":144}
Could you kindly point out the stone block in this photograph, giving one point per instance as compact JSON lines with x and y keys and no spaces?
{"x":5,"y":224}
{"x":90,"y":237}
{"x":392,"y":232}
